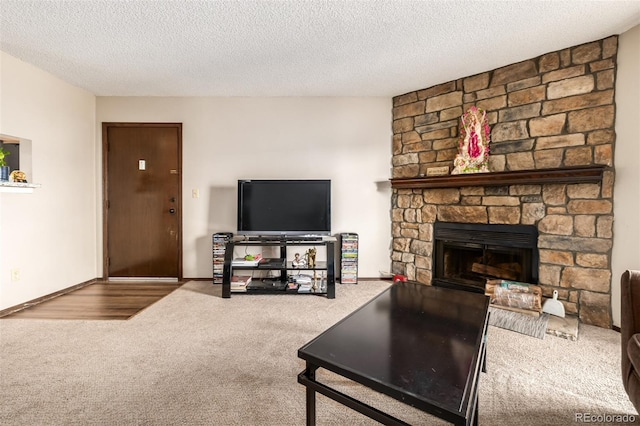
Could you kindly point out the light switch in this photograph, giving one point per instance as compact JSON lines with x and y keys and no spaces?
{"x":195,"y":193}
{"x":142,"y":165}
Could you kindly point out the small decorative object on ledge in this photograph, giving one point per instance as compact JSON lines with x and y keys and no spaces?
{"x":18,"y":176}
{"x":473,"y":156}
{"x":438,"y":171}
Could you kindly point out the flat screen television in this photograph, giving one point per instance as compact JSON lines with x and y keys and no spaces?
{"x":284,"y":207}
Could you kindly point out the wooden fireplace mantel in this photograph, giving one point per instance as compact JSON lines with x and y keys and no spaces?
{"x":583,"y":174}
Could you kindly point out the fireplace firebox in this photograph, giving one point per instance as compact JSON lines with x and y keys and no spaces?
{"x":466,"y":255}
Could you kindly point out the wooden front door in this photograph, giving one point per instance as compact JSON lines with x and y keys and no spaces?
{"x":142,"y":200}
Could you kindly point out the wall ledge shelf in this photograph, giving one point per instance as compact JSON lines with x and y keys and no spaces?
{"x":583,"y":174}
{"x":18,"y":187}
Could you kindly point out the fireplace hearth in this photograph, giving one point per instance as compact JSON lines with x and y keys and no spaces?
{"x":467,"y":255}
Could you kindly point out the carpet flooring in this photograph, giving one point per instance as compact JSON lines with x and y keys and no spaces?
{"x":193,"y":358}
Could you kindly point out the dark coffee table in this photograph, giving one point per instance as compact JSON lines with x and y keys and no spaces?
{"x":422,"y":345}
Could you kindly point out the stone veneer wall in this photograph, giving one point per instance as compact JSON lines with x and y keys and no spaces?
{"x":556,"y":110}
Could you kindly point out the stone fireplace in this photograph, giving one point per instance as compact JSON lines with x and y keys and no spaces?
{"x":552,"y":139}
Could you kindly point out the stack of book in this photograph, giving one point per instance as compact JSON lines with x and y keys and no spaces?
{"x":305,"y":288}
{"x":304,"y":282}
{"x":239,"y":283}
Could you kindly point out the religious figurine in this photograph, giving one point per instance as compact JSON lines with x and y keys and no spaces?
{"x":311,"y":257}
{"x":473,"y":156}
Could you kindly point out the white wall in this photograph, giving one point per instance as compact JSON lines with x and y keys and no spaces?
{"x":49,"y":235}
{"x":626,"y":207}
{"x":347,"y":140}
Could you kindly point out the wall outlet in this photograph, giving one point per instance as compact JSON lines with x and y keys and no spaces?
{"x":15,"y":275}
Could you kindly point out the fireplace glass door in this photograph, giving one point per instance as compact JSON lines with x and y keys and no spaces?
{"x":466,"y":256}
{"x":472,"y":264}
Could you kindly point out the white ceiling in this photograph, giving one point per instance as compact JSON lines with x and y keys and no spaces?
{"x":293,"y":48}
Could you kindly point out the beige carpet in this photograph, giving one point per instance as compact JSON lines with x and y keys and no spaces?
{"x":196,"y":359}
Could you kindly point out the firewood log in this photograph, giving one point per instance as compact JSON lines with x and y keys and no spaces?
{"x":479,"y":268}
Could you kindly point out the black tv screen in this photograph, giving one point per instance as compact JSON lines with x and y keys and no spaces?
{"x":284,"y":207}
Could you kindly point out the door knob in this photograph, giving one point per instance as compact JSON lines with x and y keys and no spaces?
{"x":172,"y":211}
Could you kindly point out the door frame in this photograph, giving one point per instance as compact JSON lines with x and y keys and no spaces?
{"x":105,"y":190}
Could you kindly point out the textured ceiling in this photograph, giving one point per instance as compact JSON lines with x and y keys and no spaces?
{"x":292,"y":48}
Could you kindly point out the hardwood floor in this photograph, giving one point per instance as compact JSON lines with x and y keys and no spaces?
{"x":100,"y":301}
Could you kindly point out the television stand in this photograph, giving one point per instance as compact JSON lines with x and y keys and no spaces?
{"x":323,"y":286}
